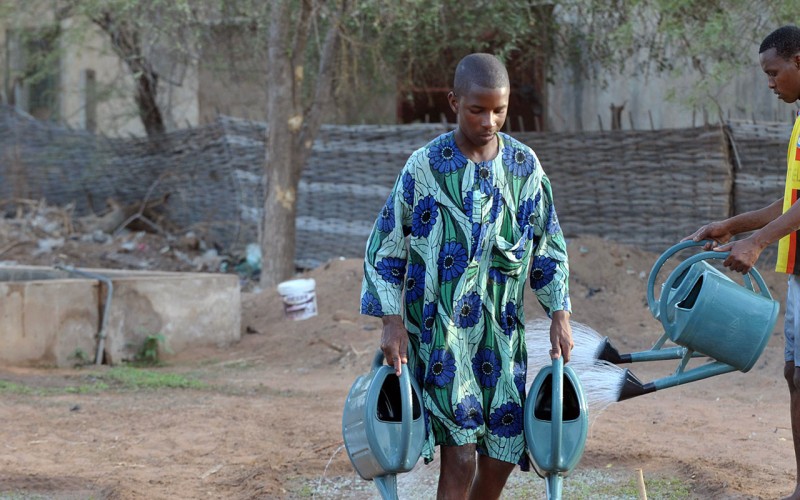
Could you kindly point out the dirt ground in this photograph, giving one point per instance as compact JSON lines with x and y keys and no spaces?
{"x":266,"y":423}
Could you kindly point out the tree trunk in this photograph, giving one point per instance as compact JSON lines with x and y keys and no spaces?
{"x":125,"y":41}
{"x":291,"y":131}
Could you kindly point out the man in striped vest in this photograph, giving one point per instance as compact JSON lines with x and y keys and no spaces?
{"x":779,"y":55}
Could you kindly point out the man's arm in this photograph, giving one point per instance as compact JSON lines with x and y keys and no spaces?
{"x":744,"y":253}
{"x":722,"y":231}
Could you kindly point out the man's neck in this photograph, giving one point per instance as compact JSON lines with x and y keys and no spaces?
{"x":475,"y":153}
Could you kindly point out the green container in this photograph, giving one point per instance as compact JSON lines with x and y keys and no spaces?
{"x":383,"y":426}
{"x":717,"y":317}
{"x":556,"y":419}
{"x":682,"y":281}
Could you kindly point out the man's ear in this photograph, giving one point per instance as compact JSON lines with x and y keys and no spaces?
{"x":796,"y":60}
{"x":453,"y":101}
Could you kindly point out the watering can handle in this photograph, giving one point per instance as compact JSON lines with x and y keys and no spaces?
{"x":651,"y":280}
{"x":406,"y":398}
{"x":557,"y":411}
{"x":664,"y":299}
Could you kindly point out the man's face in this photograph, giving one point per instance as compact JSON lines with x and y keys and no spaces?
{"x":481,"y":113}
{"x":783,"y":75}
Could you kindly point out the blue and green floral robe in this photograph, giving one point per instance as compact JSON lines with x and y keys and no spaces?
{"x":475,"y":233}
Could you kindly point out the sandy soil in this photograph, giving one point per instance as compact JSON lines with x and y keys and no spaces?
{"x":267,"y":423}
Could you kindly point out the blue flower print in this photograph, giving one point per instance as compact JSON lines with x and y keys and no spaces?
{"x":371,"y":305}
{"x":542,"y":271}
{"x":497,"y":205}
{"x":444,"y":157}
{"x":468,"y":310}
{"x":469,"y":413}
{"x":520,"y":162}
{"x":425,"y":214}
{"x":486,"y":367}
{"x":428,"y":321}
{"x":468,"y":204}
{"x":508,"y":318}
{"x":442,"y":368}
{"x":392,"y":269}
{"x":496,"y":276}
{"x":408,"y":188}
{"x":526,"y":215}
{"x":415,"y":282}
{"x":552,"y":221}
{"x":386,"y":218}
{"x":452,"y":261}
{"x":506,"y":421}
{"x":484,"y":177}
{"x":520,"y":374}
{"x":520,"y":250}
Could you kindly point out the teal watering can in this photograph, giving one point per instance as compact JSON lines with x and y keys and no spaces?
{"x":556,"y":422}
{"x":706,"y":314}
{"x":383,"y":426}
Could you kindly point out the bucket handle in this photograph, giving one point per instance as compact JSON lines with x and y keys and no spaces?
{"x":652,"y":303}
{"x":407,"y":406}
{"x":664,"y":299}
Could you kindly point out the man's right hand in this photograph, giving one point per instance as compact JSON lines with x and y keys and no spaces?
{"x":717,"y":231}
{"x":394,"y":342}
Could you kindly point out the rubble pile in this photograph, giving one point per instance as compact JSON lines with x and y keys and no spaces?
{"x":35,"y":233}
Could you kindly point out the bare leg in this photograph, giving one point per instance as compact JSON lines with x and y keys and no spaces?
{"x":490,"y":479}
{"x":457,"y":472}
{"x":792,"y":375}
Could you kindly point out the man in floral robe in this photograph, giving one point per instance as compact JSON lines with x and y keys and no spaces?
{"x":470,"y":219}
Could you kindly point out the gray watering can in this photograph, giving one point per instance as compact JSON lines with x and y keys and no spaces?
{"x":383,"y":426}
{"x":706,"y":314}
{"x":556,"y":422}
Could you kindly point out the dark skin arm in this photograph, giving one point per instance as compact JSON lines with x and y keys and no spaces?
{"x":769,"y":223}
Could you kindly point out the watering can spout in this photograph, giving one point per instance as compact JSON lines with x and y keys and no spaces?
{"x":632,"y":387}
{"x":607,"y":352}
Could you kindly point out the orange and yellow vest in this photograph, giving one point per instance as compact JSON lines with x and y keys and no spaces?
{"x":788,"y":255}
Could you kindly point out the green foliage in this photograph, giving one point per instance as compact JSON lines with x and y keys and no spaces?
{"x":388,"y":44}
{"x":715,"y":39}
{"x":80,"y":357}
{"x":136,"y":378}
{"x":149,"y":352}
{"x":13,"y":388}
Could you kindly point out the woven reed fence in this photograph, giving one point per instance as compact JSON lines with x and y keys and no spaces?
{"x":646,"y":188}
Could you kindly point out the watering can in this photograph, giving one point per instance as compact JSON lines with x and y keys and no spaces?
{"x":687,"y":276}
{"x":383,"y":426}
{"x":556,"y":423}
{"x":706,"y":314}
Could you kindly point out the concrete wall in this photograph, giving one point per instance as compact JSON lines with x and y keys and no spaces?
{"x":575,"y":100}
{"x":47,"y":322}
{"x":46,"y":318}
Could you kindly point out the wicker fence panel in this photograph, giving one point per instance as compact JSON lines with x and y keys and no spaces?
{"x":758,"y":152}
{"x":646,"y":188}
{"x":643,"y":188}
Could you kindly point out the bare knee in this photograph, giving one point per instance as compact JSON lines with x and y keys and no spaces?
{"x":457,"y":471}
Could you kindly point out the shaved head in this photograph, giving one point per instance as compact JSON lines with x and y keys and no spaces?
{"x":483,"y":70}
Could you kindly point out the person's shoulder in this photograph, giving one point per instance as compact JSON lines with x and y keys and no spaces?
{"x":513,"y":142}
{"x":422,"y":153}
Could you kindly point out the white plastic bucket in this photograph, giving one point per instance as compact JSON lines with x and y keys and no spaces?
{"x":299,"y":298}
